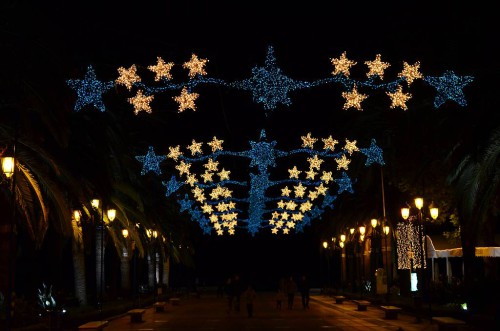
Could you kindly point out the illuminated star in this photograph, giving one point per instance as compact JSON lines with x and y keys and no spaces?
{"x":353,"y":99}
{"x":329,"y":143}
{"x":150,"y":161}
{"x":314,"y":162}
{"x":285,"y":191}
{"x":191,"y":179}
{"x":195,"y":147}
{"x":128,"y":77}
{"x":161,"y":69}
{"x":211,"y":165}
{"x":281,"y":204}
{"x":342,"y":65}
{"x":327,"y":176}
{"x":376,"y":67}
{"x":141,"y":102}
{"x":308,"y":141}
{"x":344,"y":183}
{"x":183,"y":168}
{"x":207,"y":176}
{"x":275,"y":215}
{"x":294,"y":173}
{"x":399,"y":98}
{"x":311,"y":174}
{"x":313,"y":195}
{"x":172,"y":186}
{"x":215,"y":144}
{"x":224,"y":174}
{"x":321,"y":189}
{"x":213,"y":218}
{"x":268,"y":85}
{"x":174,"y":152}
{"x":195,"y":66}
{"x":263,"y":154}
{"x":305,"y":206}
{"x":186,"y":100}
{"x":207,"y":209}
{"x":89,"y":90}
{"x":410,"y":72}
{"x":343,"y":162}
{"x":373,"y":154}
{"x":291,"y":205}
{"x":449,"y":87}
{"x":350,"y":146}
{"x":299,"y":190}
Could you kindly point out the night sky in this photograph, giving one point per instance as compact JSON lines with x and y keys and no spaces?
{"x":234,"y":37}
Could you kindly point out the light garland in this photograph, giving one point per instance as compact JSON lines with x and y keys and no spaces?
{"x":219,"y":203}
{"x":408,"y":246}
{"x":270,"y":87}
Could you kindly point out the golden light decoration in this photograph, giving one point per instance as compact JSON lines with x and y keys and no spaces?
{"x":308,"y":141}
{"x":161,"y":69}
{"x":350,"y":146}
{"x":215,"y":144}
{"x":195,"y":66}
{"x":294,"y":172}
{"x":343,"y":163}
{"x":399,"y":98}
{"x":408,"y":246}
{"x":329,"y":143}
{"x":195,"y":147}
{"x":353,"y":99}
{"x":128,"y":77}
{"x":376,"y":67}
{"x":186,"y":100}
{"x":141,"y":102}
{"x":174,"y":152}
{"x":342,"y":65}
{"x":410,"y":72}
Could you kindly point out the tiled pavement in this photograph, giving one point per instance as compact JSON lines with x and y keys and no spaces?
{"x":210,"y":313}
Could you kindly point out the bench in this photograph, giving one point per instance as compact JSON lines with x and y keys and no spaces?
{"x":136,"y":315}
{"x":391,"y":312}
{"x":446,"y":323}
{"x":94,"y":325}
{"x":339,"y":298}
{"x":362,"y":304}
{"x":159,"y":306}
{"x":175,"y":301}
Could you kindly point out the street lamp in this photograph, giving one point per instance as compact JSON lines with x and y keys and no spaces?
{"x":325,"y":246}
{"x":433,"y":212}
{"x":111,"y":214}
{"x":8,"y":169}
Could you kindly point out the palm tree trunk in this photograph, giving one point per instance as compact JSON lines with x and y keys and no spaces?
{"x":166,"y":272}
{"x":79,"y":271}
{"x":99,"y":266}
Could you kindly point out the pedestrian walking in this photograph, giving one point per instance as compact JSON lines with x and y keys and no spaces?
{"x":249,"y":295}
{"x":291,"y":288}
{"x":229,"y":289}
{"x":304,"y":291}
{"x":280,"y":297}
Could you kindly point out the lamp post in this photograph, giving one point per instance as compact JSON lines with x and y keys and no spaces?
{"x":325,"y":246}
{"x":8,"y":169}
{"x":422,"y":241}
{"x":111,"y":214}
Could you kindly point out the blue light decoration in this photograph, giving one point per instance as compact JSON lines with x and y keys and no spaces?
{"x":89,"y":90}
{"x":151,"y":161}
{"x":449,"y":87}
{"x":268,"y":85}
{"x":203,"y":187}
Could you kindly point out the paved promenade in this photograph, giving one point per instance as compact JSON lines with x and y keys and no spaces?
{"x":210,"y":313}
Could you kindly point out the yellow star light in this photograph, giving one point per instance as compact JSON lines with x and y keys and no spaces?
{"x":232,"y":205}
{"x":274,"y":231}
{"x":201,"y":198}
{"x":224,"y":174}
{"x":191,"y":179}
{"x":342,"y":65}
{"x":353,"y":99}
{"x":327,"y":176}
{"x":286,"y":231}
{"x":271,"y":222}
{"x":321,"y":189}
{"x":207,"y":209}
{"x":195,"y":147}
{"x":343,"y":162}
{"x":377,"y":67}
{"x":226,"y":193}
{"x":275,"y":215}
{"x":211,"y":165}
{"x":281,"y":204}
{"x":285,"y":191}
{"x":141,"y":102}
{"x":215,"y":144}
{"x":290,"y":224}
{"x":128,"y":77}
{"x":305,"y":206}
{"x":197,"y":191}
{"x":279,"y":224}
{"x":299,"y":190}
{"x":219,"y":231}
{"x":314,"y":162}
{"x":216,"y":192}
{"x":294,"y":173}
{"x":297,"y":217}
{"x":183,"y":168}
{"x":399,"y":98}
{"x":311,"y":174}
{"x":213,"y":218}
{"x":186,"y":100}
{"x":285,"y":215}
{"x":195,"y":66}
{"x":313,"y":195}
{"x":174,"y":152}
{"x":222,"y":207}
{"x":308,"y":141}
{"x":350,"y":146}
{"x":290,"y":205}
{"x":329,"y":143}
{"x":231,"y":232}
{"x":161,"y":69}
{"x":410,"y":72}
{"x":207,"y":177}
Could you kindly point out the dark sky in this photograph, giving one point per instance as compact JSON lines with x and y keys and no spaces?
{"x":234,"y":36}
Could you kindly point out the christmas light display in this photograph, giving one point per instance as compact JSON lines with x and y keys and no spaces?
{"x":408,"y":245}
{"x":268,"y":85}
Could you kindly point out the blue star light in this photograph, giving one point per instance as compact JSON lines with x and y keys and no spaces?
{"x":373,"y":154}
{"x":151,"y":162}
{"x":268,"y":85}
{"x":449,"y":87}
{"x":89,"y":90}
{"x":344,"y":183}
{"x":172,"y":186}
